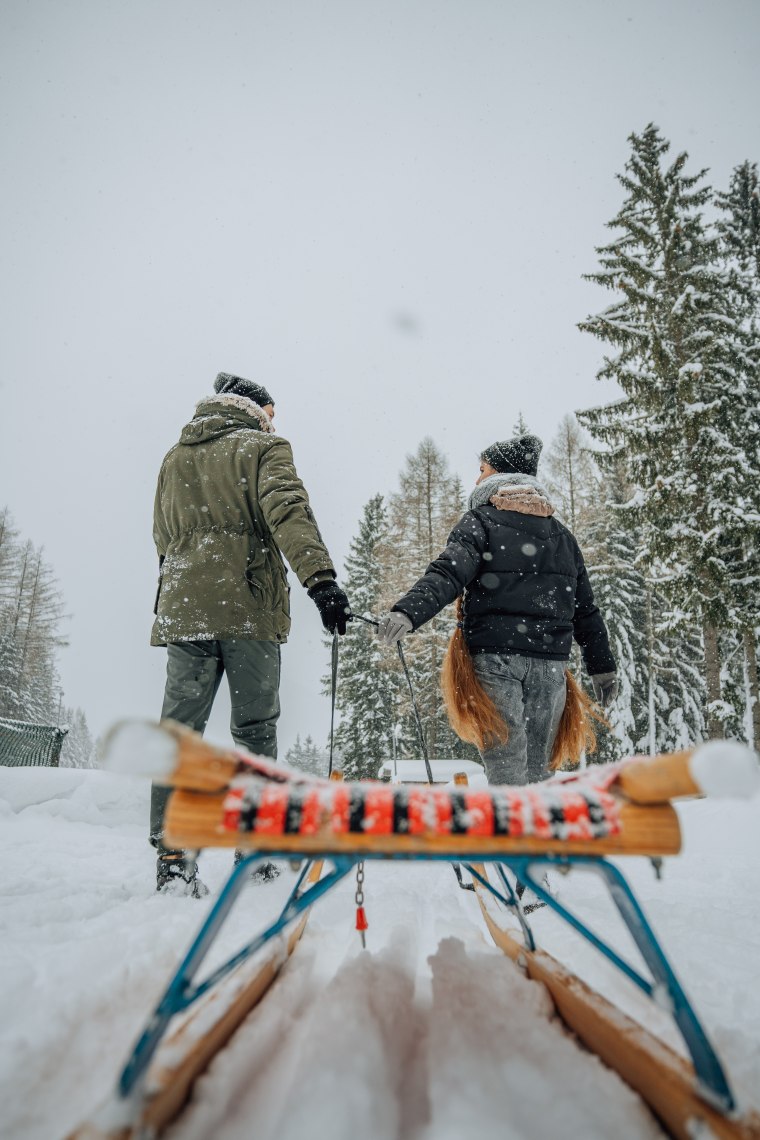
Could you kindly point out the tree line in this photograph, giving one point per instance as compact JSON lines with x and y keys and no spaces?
{"x":31,"y":623}
{"x":661,"y":487}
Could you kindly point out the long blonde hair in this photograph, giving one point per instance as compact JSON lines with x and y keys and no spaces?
{"x":475,"y":718}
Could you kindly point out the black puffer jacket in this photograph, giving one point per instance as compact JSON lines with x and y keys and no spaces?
{"x":526,"y":589}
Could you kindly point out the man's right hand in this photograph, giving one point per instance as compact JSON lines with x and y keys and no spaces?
{"x":333,"y":605}
{"x":393,"y":626}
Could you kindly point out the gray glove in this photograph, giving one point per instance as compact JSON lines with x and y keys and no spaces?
{"x":605,"y":686}
{"x":393,"y":626}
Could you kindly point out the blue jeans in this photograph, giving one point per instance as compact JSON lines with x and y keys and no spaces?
{"x":529,"y":692}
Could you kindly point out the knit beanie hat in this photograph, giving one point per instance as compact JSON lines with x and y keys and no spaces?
{"x":237,"y":386}
{"x":518,"y":455}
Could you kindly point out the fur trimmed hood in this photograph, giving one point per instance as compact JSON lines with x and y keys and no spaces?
{"x":218,"y":416}
{"x":512,"y":491}
{"x":242,"y":403}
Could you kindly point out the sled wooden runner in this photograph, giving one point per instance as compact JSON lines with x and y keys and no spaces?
{"x":661,"y":1077}
{"x":189,"y":1053}
{"x":228,"y":798}
{"x":167,"y":1084}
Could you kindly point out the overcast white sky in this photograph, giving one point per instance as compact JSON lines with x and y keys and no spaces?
{"x":381,"y":211}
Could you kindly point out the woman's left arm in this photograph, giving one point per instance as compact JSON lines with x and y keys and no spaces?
{"x":448,"y":574}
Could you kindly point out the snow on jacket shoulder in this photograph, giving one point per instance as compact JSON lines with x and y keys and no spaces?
{"x":229,"y":504}
{"x":526,"y":588}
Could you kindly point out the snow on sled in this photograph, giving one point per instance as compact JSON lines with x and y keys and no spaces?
{"x":227,"y":798}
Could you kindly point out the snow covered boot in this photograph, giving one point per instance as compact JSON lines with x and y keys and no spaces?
{"x":264,"y":873}
{"x":176,"y":875}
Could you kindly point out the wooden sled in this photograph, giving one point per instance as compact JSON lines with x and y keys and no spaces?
{"x":227,"y":798}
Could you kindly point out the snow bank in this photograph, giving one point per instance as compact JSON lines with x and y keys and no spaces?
{"x":79,"y":795}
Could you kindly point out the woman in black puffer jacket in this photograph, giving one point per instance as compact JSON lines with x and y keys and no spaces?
{"x":524,"y":595}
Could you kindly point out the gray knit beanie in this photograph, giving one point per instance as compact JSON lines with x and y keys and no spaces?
{"x":238,"y":386}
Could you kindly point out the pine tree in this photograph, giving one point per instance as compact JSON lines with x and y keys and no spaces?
{"x":739,"y":226}
{"x":421,"y":515}
{"x":739,"y":235}
{"x":10,"y":552}
{"x":78,"y":750}
{"x":367,"y":687}
{"x":37,"y":637}
{"x":307,"y":757}
{"x":31,"y":612}
{"x":661,"y":691}
{"x":677,"y":362}
{"x":570,"y":475}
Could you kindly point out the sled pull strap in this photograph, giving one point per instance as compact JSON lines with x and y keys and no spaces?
{"x":420,"y":730}
{"x":333,"y":694}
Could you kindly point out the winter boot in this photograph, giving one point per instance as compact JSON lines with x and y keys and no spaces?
{"x":176,"y":875}
{"x":265,"y":873}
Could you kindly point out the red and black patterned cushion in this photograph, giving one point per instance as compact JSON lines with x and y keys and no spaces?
{"x":576,"y":809}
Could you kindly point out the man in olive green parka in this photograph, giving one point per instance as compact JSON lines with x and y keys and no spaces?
{"x":229,"y":504}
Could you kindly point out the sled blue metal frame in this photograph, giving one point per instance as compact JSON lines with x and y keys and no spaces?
{"x":665,"y":988}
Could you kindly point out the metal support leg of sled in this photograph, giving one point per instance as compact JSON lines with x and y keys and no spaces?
{"x":181,"y":993}
{"x":665,"y":989}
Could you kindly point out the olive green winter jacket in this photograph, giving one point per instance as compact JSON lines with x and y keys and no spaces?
{"x":228,"y":502}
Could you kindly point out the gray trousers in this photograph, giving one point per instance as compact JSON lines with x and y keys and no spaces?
{"x":529,"y":692}
{"x":194,"y":672}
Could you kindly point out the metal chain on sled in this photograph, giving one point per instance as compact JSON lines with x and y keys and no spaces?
{"x":361,"y":917}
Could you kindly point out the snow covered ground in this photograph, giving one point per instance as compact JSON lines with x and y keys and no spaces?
{"x":431,"y":1033}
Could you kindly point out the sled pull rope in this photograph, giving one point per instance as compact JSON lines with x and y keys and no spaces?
{"x":333,"y":689}
{"x":428,"y":769}
{"x":420,"y":732}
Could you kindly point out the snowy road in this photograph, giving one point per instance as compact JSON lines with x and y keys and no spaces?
{"x":431,"y":1033}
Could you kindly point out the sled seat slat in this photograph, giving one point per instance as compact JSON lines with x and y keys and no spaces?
{"x":194,"y":820}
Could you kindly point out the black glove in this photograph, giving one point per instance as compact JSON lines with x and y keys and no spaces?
{"x":333,"y":605}
{"x":605,"y":686}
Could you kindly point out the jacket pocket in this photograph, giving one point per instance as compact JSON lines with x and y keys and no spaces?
{"x":257,"y":571}
{"x":160,"y":582}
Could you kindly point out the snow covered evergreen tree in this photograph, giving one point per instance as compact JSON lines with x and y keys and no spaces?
{"x":367,"y":686}
{"x":308,"y":757}
{"x":739,"y":235}
{"x":739,"y":225}
{"x":678,"y":360}
{"x":31,"y":616}
{"x":9,"y":574}
{"x":570,"y":474}
{"x":421,"y":514}
{"x":31,"y":612}
{"x":659,"y":706}
{"x":37,"y":636}
{"x":78,"y":749}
